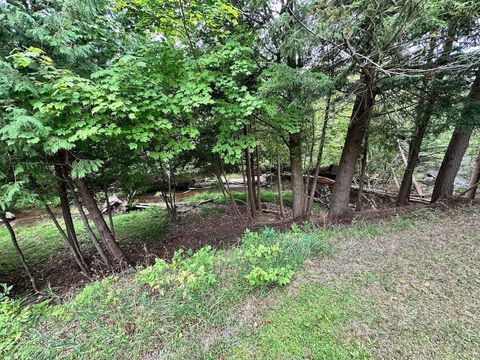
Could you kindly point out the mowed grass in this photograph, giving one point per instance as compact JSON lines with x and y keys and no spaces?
{"x":122,"y":318}
{"x":42,"y":240}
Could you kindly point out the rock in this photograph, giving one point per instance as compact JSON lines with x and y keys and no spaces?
{"x":116,"y":204}
{"x":9,"y":216}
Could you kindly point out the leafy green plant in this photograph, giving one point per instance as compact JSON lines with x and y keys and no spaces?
{"x":15,"y":319}
{"x":268,"y":263}
{"x":271,"y":275}
{"x":187,"y":272}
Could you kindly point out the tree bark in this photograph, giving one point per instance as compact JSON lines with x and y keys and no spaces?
{"x":426,"y":111}
{"x":251,"y":191}
{"x":279,"y":187}
{"x":451,"y":163}
{"x":66,"y":213}
{"x":455,"y":152}
{"x":405,"y":162}
{"x":470,"y":194}
{"x":363,"y":168}
{"x":320,"y":155}
{"x":109,"y":211}
{"x":19,"y":251}
{"x":359,"y":120}
{"x":89,"y":230}
{"x":100,"y":224}
{"x":78,"y":258}
{"x":296,"y":168}
{"x":259,"y":199}
{"x":245,"y":188}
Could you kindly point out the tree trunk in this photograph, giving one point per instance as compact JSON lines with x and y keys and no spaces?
{"x":66,"y":213}
{"x":67,"y":218}
{"x":456,"y":150}
{"x":279,"y":180}
{"x":251,"y":191}
{"x":78,"y":258}
{"x":470,"y":194}
{"x":320,"y":155}
{"x":405,"y":163}
{"x":296,"y":168}
{"x":109,"y":212}
{"x":252,"y":176}
{"x":259,"y":199}
{"x":356,"y":131}
{"x":89,"y":230}
{"x":100,"y":224}
{"x":451,"y":163}
{"x":245,"y":188}
{"x":363,"y":168}
{"x":426,"y":109}
{"x":19,"y":251}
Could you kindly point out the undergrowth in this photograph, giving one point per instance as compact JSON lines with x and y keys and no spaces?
{"x":40,"y":241}
{"x":197,"y":306}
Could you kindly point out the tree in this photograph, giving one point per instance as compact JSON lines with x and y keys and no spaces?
{"x":458,"y":143}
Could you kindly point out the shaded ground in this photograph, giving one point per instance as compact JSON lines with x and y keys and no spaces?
{"x":217,"y":226}
{"x":207,"y":225}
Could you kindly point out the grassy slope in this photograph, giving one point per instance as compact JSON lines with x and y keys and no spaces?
{"x":337,"y":307}
{"x":40,"y":241}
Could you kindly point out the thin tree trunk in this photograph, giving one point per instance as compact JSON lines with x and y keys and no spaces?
{"x":245,"y":188}
{"x":109,"y":211}
{"x":320,"y":155}
{"x":19,"y":251}
{"x":252,"y":176}
{"x":418,"y":189}
{"x":307,"y":181}
{"x":470,"y":194}
{"x":259,"y":199}
{"x":100,"y":224}
{"x":279,"y":180}
{"x":296,"y":168}
{"x":473,"y":186}
{"x":89,"y":230}
{"x":67,"y":216}
{"x":251,"y":197}
{"x":359,"y":120}
{"x":426,"y":109}
{"x":78,"y":258}
{"x":455,"y":152}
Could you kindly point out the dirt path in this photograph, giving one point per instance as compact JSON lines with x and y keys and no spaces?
{"x":417,"y":290}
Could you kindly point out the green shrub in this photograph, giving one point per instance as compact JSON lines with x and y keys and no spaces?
{"x":187,"y":272}
{"x":15,"y":318}
{"x":267,"y":263}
